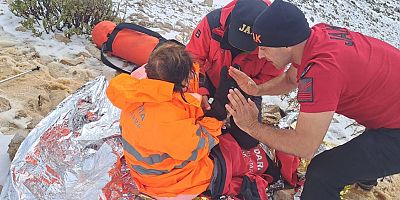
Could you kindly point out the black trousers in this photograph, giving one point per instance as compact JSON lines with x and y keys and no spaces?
{"x":373,"y":154}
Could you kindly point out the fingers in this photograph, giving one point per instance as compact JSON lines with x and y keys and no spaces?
{"x":236,"y":99}
{"x":230,"y":110}
{"x":245,"y":82}
{"x":204,"y":103}
{"x":237,"y":75}
{"x":253,"y":105}
{"x":239,"y":104}
{"x":239,"y":96}
{"x":251,"y":83}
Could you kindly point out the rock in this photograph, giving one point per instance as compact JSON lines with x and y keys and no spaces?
{"x":14,"y":145}
{"x":140,"y":17}
{"x":62,"y":38}
{"x":72,"y":62}
{"x":146,"y":18}
{"x":376,"y":9}
{"x":188,"y":30}
{"x":37,"y":117}
{"x":145,"y":23}
{"x":208,"y":3}
{"x":31,"y":125}
{"x":7,"y":43}
{"x":21,"y":29}
{"x":56,"y":70}
{"x":167,"y":26}
{"x":141,"y":9}
{"x":183,"y":37}
{"x":284,"y":194}
{"x":1,"y":188}
{"x":158,"y":24}
{"x":139,"y":3}
{"x":271,"y":114}
{"x":334,"y":120}
{"x":20,"y":114}
{"x":93,"y":50}
{"x":178,"y":29}
{"x":4,"y":104}
{"x":83,"y":54}
{"x":181,"y":24}
{"x":45,"y":59}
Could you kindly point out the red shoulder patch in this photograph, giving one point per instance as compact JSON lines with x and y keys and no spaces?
{"x":305,"y":93}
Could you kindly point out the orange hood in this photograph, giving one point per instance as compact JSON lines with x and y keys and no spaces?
{"x":125,"y":91}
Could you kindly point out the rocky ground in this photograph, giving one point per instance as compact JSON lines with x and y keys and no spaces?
{"x":26,"y":100}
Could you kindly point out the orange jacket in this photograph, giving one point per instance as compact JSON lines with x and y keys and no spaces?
{"x":166,"y":142}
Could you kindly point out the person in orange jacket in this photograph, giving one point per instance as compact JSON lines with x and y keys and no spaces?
{"x":173,"y":149}
{"x":166,"y":139}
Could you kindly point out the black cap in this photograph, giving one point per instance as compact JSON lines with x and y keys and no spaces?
{"x":242,"y":19}
{"x":281,"y":25}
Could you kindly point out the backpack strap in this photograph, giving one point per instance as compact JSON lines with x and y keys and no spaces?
{"x":107,"y":62}
{"x":107,"y":46}
{"x":213,"y":21}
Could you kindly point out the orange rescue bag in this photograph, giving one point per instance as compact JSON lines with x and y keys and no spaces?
{"x":130,"y":42}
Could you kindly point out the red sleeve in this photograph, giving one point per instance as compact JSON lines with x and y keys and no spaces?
{"x":320,"y":88}
{"x":199,"y":47}
{"x":203,"y":91}
{"x":268,"y":72}
{"x":199,"y":44}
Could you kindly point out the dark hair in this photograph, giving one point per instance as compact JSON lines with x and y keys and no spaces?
{"x":170,"y":62}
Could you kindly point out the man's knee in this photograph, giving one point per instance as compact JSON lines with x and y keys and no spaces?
{"x":319,"y":183}
{"x":317,"y":171}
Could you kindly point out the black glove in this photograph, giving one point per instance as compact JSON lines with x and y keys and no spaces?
{"x":225,"y":83}
{"x":217,"y":111}
{"x":235,"y":85}
{"x":220,"y":98}
{"x":244,"y":140}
